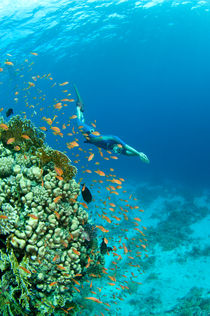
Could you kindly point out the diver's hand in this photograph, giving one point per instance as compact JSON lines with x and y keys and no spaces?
{"x":144,"y":157}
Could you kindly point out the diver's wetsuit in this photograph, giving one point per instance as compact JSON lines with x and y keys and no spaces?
{"x":107,"y":142}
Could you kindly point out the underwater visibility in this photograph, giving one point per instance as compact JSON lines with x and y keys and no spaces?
{"x":104,"y":158}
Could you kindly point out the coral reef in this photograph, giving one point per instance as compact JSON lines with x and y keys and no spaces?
{"x":48,"y":245}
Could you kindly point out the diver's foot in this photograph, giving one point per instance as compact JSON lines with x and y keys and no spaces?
{"x":144,"y":157}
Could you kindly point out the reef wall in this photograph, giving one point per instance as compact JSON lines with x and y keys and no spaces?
{"x":48,"y":247}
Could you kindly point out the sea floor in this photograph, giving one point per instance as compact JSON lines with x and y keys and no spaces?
{"x":176,"y":273}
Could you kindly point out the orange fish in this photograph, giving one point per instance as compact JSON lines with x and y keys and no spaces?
{"x":64,"y":83}
{"x":57,"y":214}
{"x":75,"y":251}
{"x":33,"y":216}
{"x":137,"y":219}
{"x":60,"y":267}
{"x":73,"y":117}
{"x":35,"y":54}
{"x":102,"y":229}
{"x":95,"y":133}
{"x":31,"y":84}
{"x":93,"y":299}
{"x":112,"y":278}
{"x":43,"y":128}
{"x":116,"y":181}
{"x":107,"y":218}
{"x":9,"y":63}
{"x":10,"y":140}
{"x":25,"y":136}
{"x":55,"y":258}
{"x":58,"y":106}
{"x":67,"y":100}
{"x":1,"y":69}
{"x":72,"y":144}
{"x":57,"y":199}
{"x":48,"y":120}
{"x":55,"y":129}
{"x":125,"y":248}
{"x":90,"y":157}
{"x":17,"y":148}
{"x":88,"y":171}
{"x":84,"y":204}
{"x":3,"y":217}
{"x":24,"y":269}
{"x":53,"y":283}
{"x":4,"y":126}
{"x":59,"y":171}
{"x":100,"y":173}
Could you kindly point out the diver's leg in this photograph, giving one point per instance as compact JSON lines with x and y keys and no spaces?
{"x":80,"y":115}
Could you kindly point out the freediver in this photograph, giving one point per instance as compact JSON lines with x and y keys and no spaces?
{"x":107,"y":142}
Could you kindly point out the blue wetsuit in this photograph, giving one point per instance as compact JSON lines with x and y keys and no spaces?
{"x":107,"y":142}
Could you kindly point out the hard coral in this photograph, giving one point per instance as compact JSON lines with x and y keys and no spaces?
{"x":42,"y":229}
{"x":18,"y":127}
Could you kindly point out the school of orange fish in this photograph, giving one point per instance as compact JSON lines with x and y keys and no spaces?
{"x":113,"y":209}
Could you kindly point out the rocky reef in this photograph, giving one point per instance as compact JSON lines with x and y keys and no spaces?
{"x":47,"y":244}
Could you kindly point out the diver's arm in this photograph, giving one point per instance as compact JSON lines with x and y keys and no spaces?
{"x":130,"y":151}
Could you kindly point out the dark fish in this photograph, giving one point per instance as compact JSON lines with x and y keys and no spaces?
{"x":87,"y":196}
{"x":104,"y":248}
{"x":9,"y":112}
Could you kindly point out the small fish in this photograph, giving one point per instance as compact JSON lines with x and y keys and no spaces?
{"x":73,"y":117}
{"x":76,"y":252}
{"x":25,"y":136}
{"x":55,"y":258}
{"x":33,"y":216}
{"x":86,"y":194}
{"x":9,"y":63}
{"x":100,"y":173}
{"x":57,"y":199}
{"x":24,"y":269}
{"x":60,"y":267}
{"x":3,"y":217}
{"x":95,"y":133}
{"x":67,"y":100}
{"x":10,"y":140}
{"x":93,"y":299}
{"x":88,"y":171}
{"x":4,"y":126}
{"x":104,"y":230}
{"x":56,"y":129}
{"x":17,"y":148}
{"x":9,"y":112}
{"x":64,"y":83}
{"x":59,"y":171}
{"x":90,"y":157}
{"x":43,"y":128}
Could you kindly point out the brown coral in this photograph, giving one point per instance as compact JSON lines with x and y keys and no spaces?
{"x":60,"y":160}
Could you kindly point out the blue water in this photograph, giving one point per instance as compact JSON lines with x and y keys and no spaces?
{"x":142,"y":69}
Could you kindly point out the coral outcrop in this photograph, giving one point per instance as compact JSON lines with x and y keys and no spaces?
{"x":47,"y":243}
